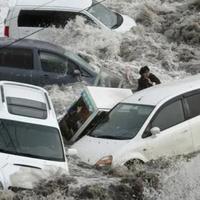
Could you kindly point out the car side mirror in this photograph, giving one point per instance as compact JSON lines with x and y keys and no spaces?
{"x":154,"y":131}
{"x":71,"y":152}
{"x":76,"y":72}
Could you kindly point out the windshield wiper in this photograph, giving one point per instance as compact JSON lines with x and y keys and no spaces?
{"x":109,"y":137}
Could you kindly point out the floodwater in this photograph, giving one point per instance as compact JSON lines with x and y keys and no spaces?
{"x":167,"y":39}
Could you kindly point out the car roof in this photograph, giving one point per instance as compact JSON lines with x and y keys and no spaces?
{"x":76,"y":5}
{"x":29,"y":43}
{"x":163,"y":92}
{"x":14,"y":94}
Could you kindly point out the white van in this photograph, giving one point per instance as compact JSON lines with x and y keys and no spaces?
{"x":25,"y":17}
{"x":31,"y":145}
{"x":163,"y":120}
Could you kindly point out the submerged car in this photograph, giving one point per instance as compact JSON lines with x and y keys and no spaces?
{"x":163,"y":120}
{"x":31,"y":146}
{"x":25,"y":17}
{"x":92,"y":105}
{"x":42,"y":63}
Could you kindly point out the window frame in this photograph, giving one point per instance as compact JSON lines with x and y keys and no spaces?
{"x":147,"y":133}
{"x":186,"y":105}
{"x":82,"y":70}
{"x":56,"y":54}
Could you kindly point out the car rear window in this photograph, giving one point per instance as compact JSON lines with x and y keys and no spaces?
{"x":40,"y":18}
{"x":16,"y":58}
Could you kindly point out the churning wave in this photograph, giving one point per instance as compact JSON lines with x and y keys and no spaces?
{"x":167,"y":39}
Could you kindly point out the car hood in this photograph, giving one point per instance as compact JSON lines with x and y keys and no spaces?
{"x":126,"y":25}
{"x":91,"y":149}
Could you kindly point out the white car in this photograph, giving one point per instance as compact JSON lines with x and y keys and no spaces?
{"x":163,"y":120}
{"x":25,"y":17}
{"x":31,"y":146}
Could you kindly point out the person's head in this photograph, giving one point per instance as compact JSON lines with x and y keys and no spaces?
{"x":144,"y":72}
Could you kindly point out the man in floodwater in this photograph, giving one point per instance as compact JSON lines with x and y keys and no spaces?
{"x":147,"y":79}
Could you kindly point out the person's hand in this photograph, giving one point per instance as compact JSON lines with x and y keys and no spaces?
{"x":149,"y":81}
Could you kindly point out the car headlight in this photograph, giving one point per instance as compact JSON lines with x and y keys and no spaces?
{"x":1,"y":186}
{"x":105,"y":161}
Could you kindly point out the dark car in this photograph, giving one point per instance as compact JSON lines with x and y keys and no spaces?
{"x":42,"y":63}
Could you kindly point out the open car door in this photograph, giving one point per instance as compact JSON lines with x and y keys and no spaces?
{"x":92,"y":102}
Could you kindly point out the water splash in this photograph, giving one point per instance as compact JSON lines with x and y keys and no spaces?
{"x":167,"y":39}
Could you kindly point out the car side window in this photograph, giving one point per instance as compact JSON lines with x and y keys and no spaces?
{"x":169,"y":116}
{"x":53,"y":63}
{"x":72,"y":66}
{"x":44,"y":18}
{"x":16,"y":58}
{"x":193,"y":105}
{"x":85,"y":73}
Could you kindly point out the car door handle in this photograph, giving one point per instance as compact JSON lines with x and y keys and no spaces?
{"x":185,"y":131}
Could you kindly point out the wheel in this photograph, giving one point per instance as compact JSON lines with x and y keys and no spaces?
{"x":134,"y":164}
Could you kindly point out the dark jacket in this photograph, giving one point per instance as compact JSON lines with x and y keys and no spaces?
{"x":144,"y":83}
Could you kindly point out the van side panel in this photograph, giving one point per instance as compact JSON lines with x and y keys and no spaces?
{"x":11,"y":21}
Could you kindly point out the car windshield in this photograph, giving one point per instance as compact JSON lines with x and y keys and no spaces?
{"x":123,"y":122}
{"x":105,"y":15}
{"x":30,"y":140}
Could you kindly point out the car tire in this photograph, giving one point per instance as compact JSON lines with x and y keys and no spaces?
{"x":134,"y":164}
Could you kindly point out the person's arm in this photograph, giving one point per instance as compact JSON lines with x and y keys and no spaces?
{"x":155,"y":79}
